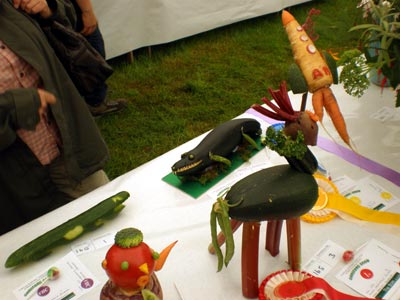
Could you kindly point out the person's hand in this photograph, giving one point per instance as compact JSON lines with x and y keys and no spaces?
{"x":33,"y":7}
{"x":46,"y":98}
{"x":89,"y":21}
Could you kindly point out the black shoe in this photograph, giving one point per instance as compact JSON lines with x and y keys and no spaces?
{"x":107,"y":107}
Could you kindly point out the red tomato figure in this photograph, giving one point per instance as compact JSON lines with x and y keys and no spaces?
{"x":130,"y":262}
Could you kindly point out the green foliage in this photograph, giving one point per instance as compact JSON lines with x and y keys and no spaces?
{"x":354,"y":73}
{"x":379,"y":37}
{"x":277,"y":141}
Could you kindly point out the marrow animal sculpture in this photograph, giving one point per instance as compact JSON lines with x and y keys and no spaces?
{"x":217,"y":145}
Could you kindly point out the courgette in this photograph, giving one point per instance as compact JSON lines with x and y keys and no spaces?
{"x":296,"y":80}
{"x":331,"y":62}
{"x":308,"y":164}
{"x":68,"y":231}
{"x":279,"y":192}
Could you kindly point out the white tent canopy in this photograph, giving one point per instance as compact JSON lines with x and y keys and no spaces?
{"x":132,"y":24}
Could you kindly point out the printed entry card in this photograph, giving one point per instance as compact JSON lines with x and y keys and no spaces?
{"x":66,"y":279}
{"x":374,"y":272}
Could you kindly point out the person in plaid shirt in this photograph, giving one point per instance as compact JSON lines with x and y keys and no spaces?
{"x":51,"y":150}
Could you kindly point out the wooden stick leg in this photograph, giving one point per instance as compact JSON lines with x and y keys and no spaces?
{"x":250,"y":242}
{"x":221,"y":237}
{"x":294,"y":243}
{"x":273,"y":236}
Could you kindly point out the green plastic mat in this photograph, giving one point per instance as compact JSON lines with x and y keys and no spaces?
{"x":195,"y":188}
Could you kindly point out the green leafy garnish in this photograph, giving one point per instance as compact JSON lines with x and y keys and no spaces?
{"x":284,"y":145}
{"x":128,"y":237}
{"x":354,"y":73}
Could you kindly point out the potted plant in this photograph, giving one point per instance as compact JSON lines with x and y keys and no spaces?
{"x":379,"y":49}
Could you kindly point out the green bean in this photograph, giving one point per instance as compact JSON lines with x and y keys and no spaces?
{"x":214,"y":238}
{"x":229,"y":242}
{"x":249,"y":140}
{"x":220,"y":214}
{"x":219,"y":158}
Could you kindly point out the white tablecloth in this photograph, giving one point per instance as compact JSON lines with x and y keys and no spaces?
{"x":166,"y":214}
{"x":131,"y":24}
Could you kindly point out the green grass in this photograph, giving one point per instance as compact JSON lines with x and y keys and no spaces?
{"x":187,"y":87}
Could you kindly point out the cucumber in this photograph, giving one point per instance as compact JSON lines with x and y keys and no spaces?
{"x":279,"y":192}
{"x":68,"y":231}
{"x":330,"y":61}
{"x":296,"y":80}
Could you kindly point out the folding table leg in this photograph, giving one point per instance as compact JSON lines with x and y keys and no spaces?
{"x":250,"y":243}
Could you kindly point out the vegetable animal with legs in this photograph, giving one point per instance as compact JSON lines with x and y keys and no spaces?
{"x":263,"y":195}
{"x":217,"y":145}
{"x":130,"y":264}
{"x":317,"y":71}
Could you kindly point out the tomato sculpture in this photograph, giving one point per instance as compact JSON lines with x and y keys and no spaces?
{"x":130,"y":264}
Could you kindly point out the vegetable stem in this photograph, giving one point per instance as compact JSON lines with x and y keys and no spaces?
{"x":250,"y":242}
{"x":294,"y":243}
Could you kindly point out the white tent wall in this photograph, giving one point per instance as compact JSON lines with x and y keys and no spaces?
{"x":132,"y":24}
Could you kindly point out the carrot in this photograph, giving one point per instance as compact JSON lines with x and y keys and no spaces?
{"x":312,"y":116}
{"x":163,"y":256}
{"x":316,"y":73}
{"x":310,"y":61}
{"x":332,"y":108}
{"x":287,"y":17}
{"x":318,"y":103}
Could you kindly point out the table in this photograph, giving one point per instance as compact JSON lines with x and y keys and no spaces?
{"x":132,"y":24}
{"x":166,"y":214}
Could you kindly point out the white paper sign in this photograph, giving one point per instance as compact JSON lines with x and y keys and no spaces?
{"x":374,"y":272}
{"x":66,"y":279}
{"x":369,"y":194}
{"x":324,"y":260}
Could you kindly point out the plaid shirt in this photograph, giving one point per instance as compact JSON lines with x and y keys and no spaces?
{"x":17,"y":73}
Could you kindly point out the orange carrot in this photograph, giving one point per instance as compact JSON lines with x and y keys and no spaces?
{"x":312,"y":116}
{"x":163,"y":256}
{"x":333,"y":110}
{"x":318,"y":103}
{"x":287,"y":17}
{"x":316,"y":73}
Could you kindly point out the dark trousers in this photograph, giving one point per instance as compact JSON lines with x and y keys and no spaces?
{"x":26,"y":189}
{"x":98,"y":96}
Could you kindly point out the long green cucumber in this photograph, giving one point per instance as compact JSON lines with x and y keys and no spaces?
{"x":68,"y":231}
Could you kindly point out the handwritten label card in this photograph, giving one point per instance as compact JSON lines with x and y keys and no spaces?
{"x":94,"y":244}
{"x":385,"y":114}
{"x":324,"y":260}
